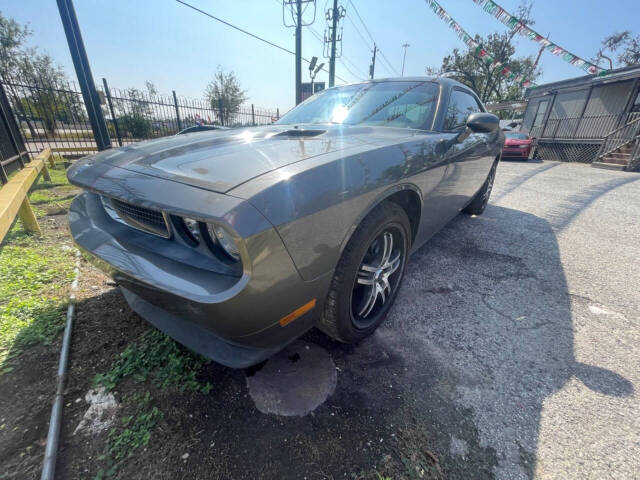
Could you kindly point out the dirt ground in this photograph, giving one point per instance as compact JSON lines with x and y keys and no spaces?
{"x":511,"y":352}
{"x":223,"y":433}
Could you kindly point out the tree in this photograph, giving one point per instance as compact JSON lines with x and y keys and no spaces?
{"x":12,"y":38}
{"x":484,"y":78}
{"x":625,"y":44}
{"x":46,"y":98}
{"x":135,"y":111}
{"x":225,"y":94}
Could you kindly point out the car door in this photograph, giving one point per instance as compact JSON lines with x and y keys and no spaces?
{"x":468,"y":160}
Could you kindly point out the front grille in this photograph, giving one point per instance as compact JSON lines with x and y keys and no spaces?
{"x":151,"y":221}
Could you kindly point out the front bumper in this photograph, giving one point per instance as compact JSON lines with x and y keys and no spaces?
{"x":516,"y":152}
{"x":233,"y":320}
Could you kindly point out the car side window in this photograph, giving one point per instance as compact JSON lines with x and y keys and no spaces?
{"x":461,"y":105}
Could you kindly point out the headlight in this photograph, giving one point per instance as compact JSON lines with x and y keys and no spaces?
{"x":192,"y":228}
{"x":223,"y":238}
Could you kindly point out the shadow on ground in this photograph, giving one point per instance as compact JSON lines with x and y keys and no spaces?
{"x":486,"y":302}
{"x":453,"y":384}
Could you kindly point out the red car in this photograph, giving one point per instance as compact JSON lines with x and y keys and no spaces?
{"x":517,"y":145}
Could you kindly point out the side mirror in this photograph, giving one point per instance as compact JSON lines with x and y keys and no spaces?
{"x":478,"y":122}
{"x":483,"y":122}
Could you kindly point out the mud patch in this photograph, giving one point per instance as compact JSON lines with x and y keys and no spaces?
{"x":294,"y":382}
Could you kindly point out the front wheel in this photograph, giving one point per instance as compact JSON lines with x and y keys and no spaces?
{"x":480,"y":201}
{"x":368,"y":275}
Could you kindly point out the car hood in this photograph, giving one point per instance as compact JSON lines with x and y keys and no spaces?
{"x":221,"y":160}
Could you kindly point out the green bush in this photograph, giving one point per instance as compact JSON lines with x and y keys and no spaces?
{"x":135,"y":126}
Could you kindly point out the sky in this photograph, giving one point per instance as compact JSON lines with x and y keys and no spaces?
{"x":177,"y":48}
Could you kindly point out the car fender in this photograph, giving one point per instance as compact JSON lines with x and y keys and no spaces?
{"x":384,"y":196}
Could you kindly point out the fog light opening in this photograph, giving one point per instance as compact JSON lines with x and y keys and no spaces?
{"x":223,"y":238}
{"x":192,"y":229}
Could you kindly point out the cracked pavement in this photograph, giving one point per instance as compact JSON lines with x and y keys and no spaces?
{"x":519,"y":329}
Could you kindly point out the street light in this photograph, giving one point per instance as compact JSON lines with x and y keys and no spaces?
{"x":404,"y":57}
{"x":314,"y":71}
{"x":312,"y":63}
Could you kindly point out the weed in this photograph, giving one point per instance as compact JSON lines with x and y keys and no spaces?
{"x":34,"y":277}
{"x":133,"y":432}
{"x":155,"y":355}
{"x":31,"y":309}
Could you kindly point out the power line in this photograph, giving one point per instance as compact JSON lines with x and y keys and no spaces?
{"x":357,"y":77}
{"x":315,"y":34}
{"x":366,"y":42}
{"x":321,"y":40}
{"x":236,"y":28}
{"x":279,"y":47}
{"x":362,"y":21}
{"x":360,"y":75}
{"x":388,"y":66}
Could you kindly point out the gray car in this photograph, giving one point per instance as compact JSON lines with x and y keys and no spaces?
{"x":236,"y":242}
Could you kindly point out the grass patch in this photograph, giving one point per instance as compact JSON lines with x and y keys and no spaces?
{"x":32,"y":293}
{"x":159,"y":358}
{"x":35,"y":273}
{"x":133,"y":432}
{"x":156,"y":358}
{"x":55,"y":196}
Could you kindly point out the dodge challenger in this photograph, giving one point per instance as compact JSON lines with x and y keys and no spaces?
{"x":235,"y":242}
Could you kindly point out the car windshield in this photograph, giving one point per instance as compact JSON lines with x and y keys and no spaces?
{"x":517,"y":136}
{"x":392,"y":104}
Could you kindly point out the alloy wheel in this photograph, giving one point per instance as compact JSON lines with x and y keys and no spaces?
{"x":378,"y":276}
{"x":487,"y":191}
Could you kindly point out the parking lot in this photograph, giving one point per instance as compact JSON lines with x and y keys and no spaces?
{"x":519,"y":329}
{"x":511,"y":353}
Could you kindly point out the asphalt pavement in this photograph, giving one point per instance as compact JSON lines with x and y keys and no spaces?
{"x":519,"y":329}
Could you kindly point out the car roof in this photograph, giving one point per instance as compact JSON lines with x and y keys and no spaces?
{"x":444,"y":81}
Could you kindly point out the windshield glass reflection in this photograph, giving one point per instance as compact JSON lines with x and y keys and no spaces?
{"x":393,"y":104}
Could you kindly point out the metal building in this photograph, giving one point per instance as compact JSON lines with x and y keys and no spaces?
{"x":588,"y":119}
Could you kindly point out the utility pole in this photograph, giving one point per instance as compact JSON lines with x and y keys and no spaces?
{"x":535,"y":64}
{"x":333,"y":15}
{"x":297,"y":23}
{"x":404,"y":57}
{"x":298,"y":51}
{"x":332,"y":59}
{"x":372,"y":67}
{"x":83,"y":72}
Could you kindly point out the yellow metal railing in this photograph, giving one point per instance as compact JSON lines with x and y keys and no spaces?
{"x":14,"y":199}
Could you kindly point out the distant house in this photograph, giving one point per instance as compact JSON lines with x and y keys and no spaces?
{"x":588,"y":119}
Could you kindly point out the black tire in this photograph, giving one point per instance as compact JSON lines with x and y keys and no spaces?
{"x":480,"y":201}
{"x":340,"y":318}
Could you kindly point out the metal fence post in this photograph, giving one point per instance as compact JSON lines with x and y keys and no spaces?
{"x":221,"y":113}
{"x":7,"y":127}
{"x":4,"y":178}
{"x":175,"y":102}
{"x":8,"y":121}
{"x":85,"y":79}
{"x":113,"y":114}
{"x":253,"y":116}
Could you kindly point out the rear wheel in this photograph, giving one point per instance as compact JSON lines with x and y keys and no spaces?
{"x":480,"y":201}
{"x":368,"y":275}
